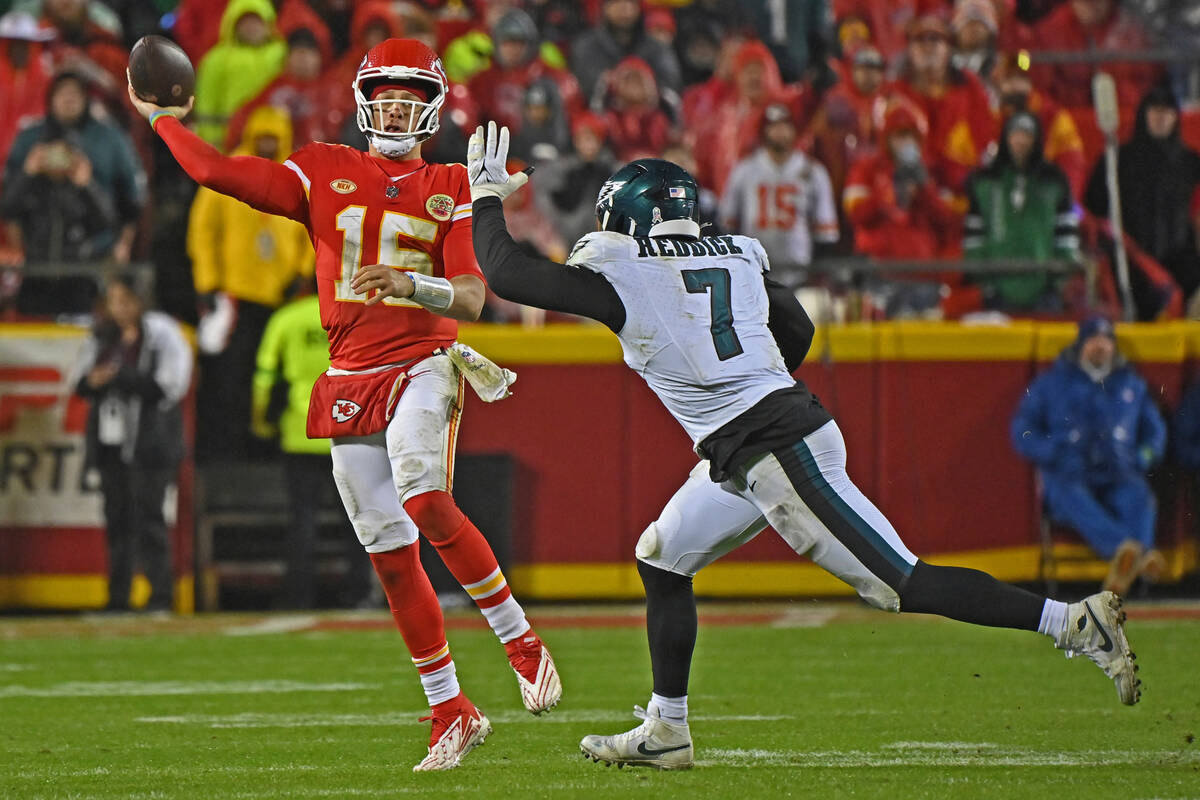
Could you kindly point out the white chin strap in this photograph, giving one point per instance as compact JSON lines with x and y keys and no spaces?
{"x":393,"y":146}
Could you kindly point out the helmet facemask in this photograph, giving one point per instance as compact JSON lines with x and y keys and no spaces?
{"x":423,"y":115}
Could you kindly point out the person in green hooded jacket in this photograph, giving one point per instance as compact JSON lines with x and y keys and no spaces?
{"x":1020,"y":208}
{"x":248,"y":55}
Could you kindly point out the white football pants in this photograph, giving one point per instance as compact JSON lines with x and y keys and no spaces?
{"x":805,"y":494}
{"x":376,"y":474}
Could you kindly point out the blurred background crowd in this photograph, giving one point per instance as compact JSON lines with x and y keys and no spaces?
{"x":913,"y":130}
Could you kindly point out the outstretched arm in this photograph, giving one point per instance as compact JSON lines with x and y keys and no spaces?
{"x":259,"y":182}
{"x":535,"y":281}
{"x":510,"y":273}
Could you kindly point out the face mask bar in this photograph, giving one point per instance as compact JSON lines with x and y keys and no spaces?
{"x":423,"y":120}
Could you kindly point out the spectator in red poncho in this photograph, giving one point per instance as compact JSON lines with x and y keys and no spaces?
{"x":1100,"y":25}
{"x":85,"y":48}
{"x":896,"y":207}
{"x":637,"y":126}
{"x":730,"y":129}
{"x":843,"y":129}
{"x":887,"y":19}
{"x":1063,"y":146}
{"x":316,"y":107}
{"x":24,"y":82}
{"x":24,"y":73}
{"x":962,"y":125}
{"x":702,"y":99}
{"x":373,"y":21}
{"x":516,"y":65}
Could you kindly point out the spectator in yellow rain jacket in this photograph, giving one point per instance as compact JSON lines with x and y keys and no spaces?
{"x":244,"y":263}
{"x":293,"y":354}
{"x":248,"y":55}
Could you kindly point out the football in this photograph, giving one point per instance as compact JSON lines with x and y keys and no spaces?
{"x":161,"y":72}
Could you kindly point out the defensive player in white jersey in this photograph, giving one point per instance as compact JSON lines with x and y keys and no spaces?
{"x":716,"y":339}
{"x":783,"y":197}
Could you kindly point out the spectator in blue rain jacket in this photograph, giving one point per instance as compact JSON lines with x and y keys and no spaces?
{"x":1091,"y":428}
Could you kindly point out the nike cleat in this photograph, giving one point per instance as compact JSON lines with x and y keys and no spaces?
{"x":541,"y":688}
{"x":456,"y":732}
{"x":1096,"y":629}
{"x":655,"y":743}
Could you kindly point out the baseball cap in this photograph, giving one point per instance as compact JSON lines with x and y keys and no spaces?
{"x":927,"y":24}
{"x":23,"y":26}
{"x":868,"y":56}
{"x":777,"y":112}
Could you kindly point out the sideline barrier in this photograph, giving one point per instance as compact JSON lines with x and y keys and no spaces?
{"x":925,"y":409}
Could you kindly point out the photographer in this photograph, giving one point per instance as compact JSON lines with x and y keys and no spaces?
{"x":135,"y":369}
{"x":73,"y":191}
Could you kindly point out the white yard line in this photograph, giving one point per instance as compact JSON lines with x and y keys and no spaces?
{"x":939,"y":754}
{"x":289,"y":623}
{"x":393,"y":718}
{"x":156,"y":688}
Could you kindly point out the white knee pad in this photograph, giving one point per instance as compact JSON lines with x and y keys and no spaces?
{"x":647,"y":543}
{"x":378,"y":530}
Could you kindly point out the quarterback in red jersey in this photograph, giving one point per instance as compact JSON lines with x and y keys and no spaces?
{"x":395,"y":269}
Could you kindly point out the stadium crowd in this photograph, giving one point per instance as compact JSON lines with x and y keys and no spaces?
{"x":906,"y":129}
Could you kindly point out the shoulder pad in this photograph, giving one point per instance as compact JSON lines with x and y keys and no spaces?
{"x":594,"y":248}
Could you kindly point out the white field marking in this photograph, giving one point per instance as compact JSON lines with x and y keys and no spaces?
{"x":282,"y":624}
{"x":156,"y":688}
{"x":394,"y":718}
{"x":804,"y":618}
{"x":15,"y":667}
{"x":939,"y":746}
{"x":855,"y":759}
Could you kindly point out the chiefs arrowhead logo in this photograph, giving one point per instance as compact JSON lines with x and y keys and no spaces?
{"x":344,"y":410}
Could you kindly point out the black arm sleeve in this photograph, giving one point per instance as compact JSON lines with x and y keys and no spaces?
{"x":789,"y":324}
{"x":538,"y":282}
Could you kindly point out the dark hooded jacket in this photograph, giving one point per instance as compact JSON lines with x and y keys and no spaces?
{"x":62,"y":221}
{"x":1157,"y":179}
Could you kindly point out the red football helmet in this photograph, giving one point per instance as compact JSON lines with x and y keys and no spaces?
{"x":405,"y":63}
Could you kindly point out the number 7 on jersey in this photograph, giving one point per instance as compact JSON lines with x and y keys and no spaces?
{"x":716,"y":282}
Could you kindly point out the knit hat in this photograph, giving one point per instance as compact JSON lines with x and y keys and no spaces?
{"x":1095,"y":325}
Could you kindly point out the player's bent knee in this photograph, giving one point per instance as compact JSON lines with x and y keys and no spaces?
{"x":378,"y":534}
{"x":435,"y":514}
{"x":648,"y":543}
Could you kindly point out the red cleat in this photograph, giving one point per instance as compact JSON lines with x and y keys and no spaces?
{"x":541,"y":688}
{"x":458,"y":727}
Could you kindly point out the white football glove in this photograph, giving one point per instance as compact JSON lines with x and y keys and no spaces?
{"x":486,"y":164}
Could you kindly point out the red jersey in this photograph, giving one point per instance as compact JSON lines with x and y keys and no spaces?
{"x":364,"y":210}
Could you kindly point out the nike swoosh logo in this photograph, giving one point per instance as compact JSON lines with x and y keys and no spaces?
{"x":753,"y":484}
{"x":641,"y":748}
{"x":1108,"y":644}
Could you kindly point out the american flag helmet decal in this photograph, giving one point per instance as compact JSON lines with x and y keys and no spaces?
{"x":677,"y":191}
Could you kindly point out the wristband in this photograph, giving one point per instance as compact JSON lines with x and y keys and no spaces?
{"x":434,"y":294}
{"x":157,"y":115}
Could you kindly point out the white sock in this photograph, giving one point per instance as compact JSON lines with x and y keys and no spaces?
{"x":440,"y":685}
{"x":507,"y":619}
{"x":1054,"y":619}
{"x":671,"y":709}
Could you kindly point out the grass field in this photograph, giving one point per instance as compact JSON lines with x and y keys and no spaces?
{"x":788,"y":700}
